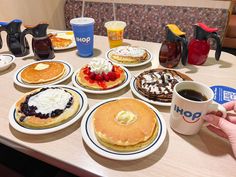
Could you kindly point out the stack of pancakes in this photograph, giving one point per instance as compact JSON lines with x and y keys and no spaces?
{"x":129,"y":54}
{"x":158,"y":84}
{"x":125,"y":125}
{"x":30,"y":116}
{"x":43,"y":72}
{"x":82,"y":78}
{"x":59,"y":42}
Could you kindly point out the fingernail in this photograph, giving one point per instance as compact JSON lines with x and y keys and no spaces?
{"x":208,"y":118}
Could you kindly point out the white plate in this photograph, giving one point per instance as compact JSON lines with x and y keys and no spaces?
{"x":139,"y":95}
{"x":149,"y":59}
{"x":125,"y":83}
{"x":72,"y":45}
{"x":83,"y":106}
{"x":67,"y":74}
{"x":91,"y":140}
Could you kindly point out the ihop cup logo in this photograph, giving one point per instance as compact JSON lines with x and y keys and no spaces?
{"x":83,"y":40}
{"x":188,"y":116}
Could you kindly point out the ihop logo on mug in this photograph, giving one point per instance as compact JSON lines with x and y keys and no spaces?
{"x":188,"y":116}
{"x":84,"y":40}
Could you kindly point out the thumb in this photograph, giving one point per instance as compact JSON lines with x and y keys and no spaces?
{"x":220,"y":122}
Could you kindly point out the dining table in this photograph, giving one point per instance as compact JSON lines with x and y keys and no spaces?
{"x":201,"y":155}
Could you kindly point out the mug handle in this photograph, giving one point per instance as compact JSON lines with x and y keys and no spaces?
{"x":217,"y":108}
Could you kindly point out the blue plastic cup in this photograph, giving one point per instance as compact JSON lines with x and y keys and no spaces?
{"x":83,"y":29}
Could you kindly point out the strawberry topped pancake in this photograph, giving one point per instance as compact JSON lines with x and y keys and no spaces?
{"x":101,"y":74}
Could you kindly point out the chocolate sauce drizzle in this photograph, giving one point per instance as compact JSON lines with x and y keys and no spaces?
{"x":31,"y":110}
{"x":160,"y":82}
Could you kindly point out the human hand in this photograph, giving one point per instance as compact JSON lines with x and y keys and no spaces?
{"x":225,"y":128}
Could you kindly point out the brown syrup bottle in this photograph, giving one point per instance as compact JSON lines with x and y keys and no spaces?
{"x":41,"y":43}
{"x":173,"y":48}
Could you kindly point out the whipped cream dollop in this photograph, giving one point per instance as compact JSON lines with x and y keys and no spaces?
{"x":129,"y":51}
{"x":50,"y":100}
{"x":99,"y":65}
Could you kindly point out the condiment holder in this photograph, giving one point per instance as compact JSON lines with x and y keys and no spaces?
{"x":5,"y":61}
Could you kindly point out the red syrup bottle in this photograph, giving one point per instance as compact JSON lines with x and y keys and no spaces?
{"x":199,"y":47}
{"x":41,"y":43}
{"x":174,"y":48}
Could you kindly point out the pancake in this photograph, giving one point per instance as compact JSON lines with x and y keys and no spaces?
{"x":59,"y":42}
{"x":158,"y":84}
{"x":128,"y":54}
{"x":42,"y":72}
{"x":100,"y":84}
{"x":46,"y":107}
{"x":125,"y":125}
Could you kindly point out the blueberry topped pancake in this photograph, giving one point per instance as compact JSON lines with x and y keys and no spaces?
{"x":46,"y":107}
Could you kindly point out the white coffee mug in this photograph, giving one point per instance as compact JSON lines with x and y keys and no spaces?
{"x":185,"y":114}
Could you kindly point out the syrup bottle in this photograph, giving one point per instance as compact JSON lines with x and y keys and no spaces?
{"x":41,"y":43}
{"x":173,"y":48}
{"x":199,"y":47}
{"x":13,"y":38}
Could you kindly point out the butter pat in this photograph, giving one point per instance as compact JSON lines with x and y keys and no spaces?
{"x":125,"y":117}
{"x":41,"y":66}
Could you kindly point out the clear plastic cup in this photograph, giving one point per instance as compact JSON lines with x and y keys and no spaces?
{"x":115,"y":31}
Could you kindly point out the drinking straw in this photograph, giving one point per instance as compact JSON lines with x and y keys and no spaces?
{"x":114,"y":10}
{"x":82,"y":15}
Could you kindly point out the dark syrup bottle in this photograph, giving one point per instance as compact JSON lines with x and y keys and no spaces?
{"x":15,"y":46}
{"x":173,"y":48}
{"x":41,"y":43}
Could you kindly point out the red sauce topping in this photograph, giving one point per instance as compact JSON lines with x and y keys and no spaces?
{"x":102,"y":78}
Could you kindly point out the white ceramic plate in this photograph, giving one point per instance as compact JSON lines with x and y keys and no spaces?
{"x":90,"y":138}
{"x":125,"y":83}
{"x":72,"y":45}
{"x":139,"y":95}
{"x":149,"y":59}
{"x":20,"y":82}
{"x":76,"y":117}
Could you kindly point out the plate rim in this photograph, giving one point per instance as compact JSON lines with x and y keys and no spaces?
{"x":124,"y":157}
{"x":72,"y":45}
{"x":32,"y":86}
{"x":82,"y":109}
{"x":123,"y":85}
{"x":130,"y":65}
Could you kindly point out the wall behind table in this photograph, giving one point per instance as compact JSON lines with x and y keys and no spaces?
{"x":34,"y":11}
{"x":52,"y":11}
